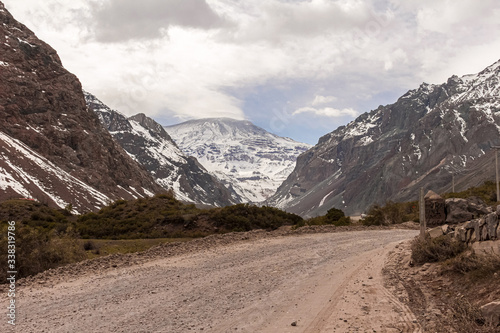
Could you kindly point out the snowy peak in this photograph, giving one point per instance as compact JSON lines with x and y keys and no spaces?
{"x":148,"y":143}
{"x":246,"y":157}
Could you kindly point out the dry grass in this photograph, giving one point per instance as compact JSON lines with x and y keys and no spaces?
{"x":435,"y":250}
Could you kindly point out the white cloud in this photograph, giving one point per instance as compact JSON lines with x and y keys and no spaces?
{"x":327,"y":112}
{"x":155,"y":57}
{"x":321,"y":100}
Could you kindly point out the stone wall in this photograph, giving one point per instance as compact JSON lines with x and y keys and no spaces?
{"x":484,"y":228}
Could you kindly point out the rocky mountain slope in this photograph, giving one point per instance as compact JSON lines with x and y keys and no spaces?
{"x":52,"y":147}
{"x":389,"y":153}
{"x":247,"y":158}
{"x":148,"y":143}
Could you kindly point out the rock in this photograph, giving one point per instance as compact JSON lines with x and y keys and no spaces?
{"x":462,"y":210}
{"x":457,"y":212}
{"x":491,"y":221}
{"x":435,"y":232}
{"x":471,"y":224}
{"x":435,"y":209}
{"x":473,"y":237}
{"x":478,"y":207}
{"x":446,"y":229}
{"x":469,"y":234}
{"x":484,"y":234}
{"x":491,"y":313}
{"x":487,"y":247}
{"x":498,"y":210}
{"x":461,"y":234}
{"x":294,"y":323}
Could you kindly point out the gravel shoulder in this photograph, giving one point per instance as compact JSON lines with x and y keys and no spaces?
{"x":252,"y":282}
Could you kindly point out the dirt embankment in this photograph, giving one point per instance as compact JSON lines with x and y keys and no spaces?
{"x":251,"y":282}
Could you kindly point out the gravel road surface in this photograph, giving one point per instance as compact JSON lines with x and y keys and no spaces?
{"x":323,"y":282}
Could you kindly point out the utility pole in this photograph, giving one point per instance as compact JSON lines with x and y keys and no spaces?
{"x":423,"y":226}
{"x":496,"y":170}
{"x":453,"y":182}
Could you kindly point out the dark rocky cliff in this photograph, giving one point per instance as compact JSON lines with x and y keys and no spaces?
{"x":42,"y":105}
{"x":150,"y":145}
{"x":390,"y":152}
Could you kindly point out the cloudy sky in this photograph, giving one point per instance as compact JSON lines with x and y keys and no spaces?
{"x":298,"y":68}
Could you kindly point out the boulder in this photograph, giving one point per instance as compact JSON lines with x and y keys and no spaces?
{"x":462,"y":210}
{"x":491,"y":313}
{"x":435,"y":232}
{"x":457,"y":211}
{"x":468,"y":235}
{"x":491,"y":224}
{"x":473,"y":237}
{"x":484,"y":234}
{"x":478,"y":207}
{"x":435,"y":209}
{"x":461,"y":234}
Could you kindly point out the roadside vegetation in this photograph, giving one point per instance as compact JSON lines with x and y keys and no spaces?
{"x":487,"y":192}
{"x":438,"y":249}
{"x":46,"y":238}
{"x":474,"y":274}
{"x":391,"y":213}
{"x":334,"y":216}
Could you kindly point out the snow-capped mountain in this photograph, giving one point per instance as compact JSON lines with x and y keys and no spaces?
{"x":52,"y":148}
{"x":148,"y":143}
{"x":389,"y":153}
{"x":251,"y":160}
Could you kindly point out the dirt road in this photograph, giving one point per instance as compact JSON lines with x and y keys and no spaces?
{"x":326,"y":282}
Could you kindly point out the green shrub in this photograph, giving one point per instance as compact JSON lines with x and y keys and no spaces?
{"x":486,"y":192}
{"x":435,"y":250}
{"x":334,"y":214}
{"x":245,"y":217}
{"x":391,"y":213}
{"x":38,"y":249}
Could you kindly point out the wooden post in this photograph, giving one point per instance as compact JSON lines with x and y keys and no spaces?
{"x":496,"y":171}
{"x":423,"y":225}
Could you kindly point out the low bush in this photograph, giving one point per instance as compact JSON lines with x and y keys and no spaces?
{"x":487,"y":192}
{"x":245,"y":217}
{"x":435,"y":250}
{"x":391,"y":213}
{"x":334,"y":216}
{"x":477,"y":266}
{"x":38,"y":249}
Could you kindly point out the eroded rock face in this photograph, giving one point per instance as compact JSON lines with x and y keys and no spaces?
{"x":42,"y":106}
{"x":394,"y":150}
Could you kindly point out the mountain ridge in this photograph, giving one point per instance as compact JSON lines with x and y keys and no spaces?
{"x":147,"y":142}
{"x":389,"y":152}
{"x":244,"y":156}
{"x":53,"y":148}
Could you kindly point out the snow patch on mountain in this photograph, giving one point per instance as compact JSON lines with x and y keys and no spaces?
{"x":31,"y":173}
{"x":251,"y":160}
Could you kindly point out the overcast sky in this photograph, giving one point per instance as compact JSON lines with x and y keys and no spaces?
{"x":296,"y":68}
